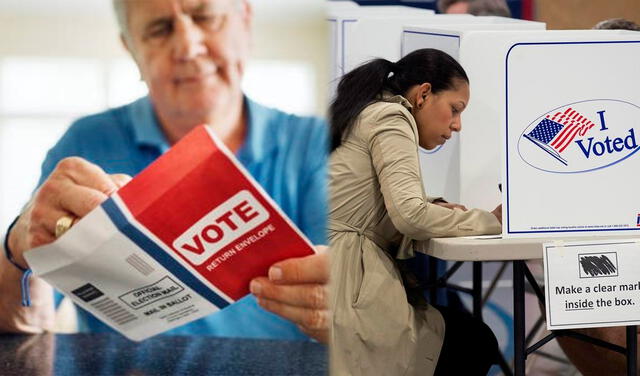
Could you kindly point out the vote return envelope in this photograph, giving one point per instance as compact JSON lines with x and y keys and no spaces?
{"x":180,"y":241}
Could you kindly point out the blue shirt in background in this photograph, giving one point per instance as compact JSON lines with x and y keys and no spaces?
{"x":286,"y":154}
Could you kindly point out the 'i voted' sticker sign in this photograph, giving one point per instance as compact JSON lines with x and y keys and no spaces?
{"x":582,"y":136}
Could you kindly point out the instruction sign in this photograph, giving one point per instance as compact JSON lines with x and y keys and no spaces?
{"x":592,"y":283}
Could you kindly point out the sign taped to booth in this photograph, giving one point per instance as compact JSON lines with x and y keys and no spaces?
{"x":592,"y":283}
{"x":569,"y":139}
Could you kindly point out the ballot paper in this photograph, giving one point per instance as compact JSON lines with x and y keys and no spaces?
{"x":181,"y":241}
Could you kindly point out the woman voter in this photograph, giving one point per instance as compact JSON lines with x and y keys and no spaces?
{"x":381,"y":326}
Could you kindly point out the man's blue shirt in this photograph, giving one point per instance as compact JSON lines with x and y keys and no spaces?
{"x":285,"y":153}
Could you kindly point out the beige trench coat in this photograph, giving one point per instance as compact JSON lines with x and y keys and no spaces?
{"x":378,"y":209}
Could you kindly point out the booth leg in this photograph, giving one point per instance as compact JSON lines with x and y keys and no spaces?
{"x":519,"y":355}
{"x":632,"y":350}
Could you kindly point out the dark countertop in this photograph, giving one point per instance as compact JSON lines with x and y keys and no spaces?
{"x":112,"y":354}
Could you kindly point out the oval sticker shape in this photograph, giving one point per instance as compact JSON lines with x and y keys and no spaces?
{"x":582,"y":136}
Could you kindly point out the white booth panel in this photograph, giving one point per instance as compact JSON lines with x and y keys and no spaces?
{"x":554,"y":116}
{"x":571,"y":124}
{"x":339,"y":7}
{"x":357,"y":40}
{"x":382,"y":37}
{"x":342,"y":20}
{"x":471,"y":180}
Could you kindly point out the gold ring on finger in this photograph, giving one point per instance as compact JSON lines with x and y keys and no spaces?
{"x":63,"y":224}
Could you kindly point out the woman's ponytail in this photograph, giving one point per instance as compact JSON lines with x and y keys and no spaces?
{"x":356,"y":90}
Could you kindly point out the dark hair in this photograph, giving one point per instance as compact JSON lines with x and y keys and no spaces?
{"x":363,"y":85}
{"x":489,"y":8}
{"x":617,"y":24}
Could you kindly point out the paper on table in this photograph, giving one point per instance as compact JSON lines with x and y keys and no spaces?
{"x":179,"y":242}
{"x":480,"y":237}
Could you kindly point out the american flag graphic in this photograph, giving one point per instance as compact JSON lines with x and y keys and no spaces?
{"x":555,"y":133}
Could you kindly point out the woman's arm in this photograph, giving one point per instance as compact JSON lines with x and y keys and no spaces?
{"x":393,"y":143}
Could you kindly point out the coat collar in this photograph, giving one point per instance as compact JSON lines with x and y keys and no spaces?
{"x":387,"y":96}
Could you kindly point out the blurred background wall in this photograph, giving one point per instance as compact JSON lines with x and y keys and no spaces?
{"x":584,"y":14}
{"x":558,"y":14}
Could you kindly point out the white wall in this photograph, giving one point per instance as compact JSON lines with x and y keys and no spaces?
{"x":278,"y":35}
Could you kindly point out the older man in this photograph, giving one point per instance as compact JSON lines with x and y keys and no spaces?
{"x":191,"y":54}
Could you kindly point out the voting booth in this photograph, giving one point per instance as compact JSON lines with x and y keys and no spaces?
{"x":447,"y":170}
{"x":553,"y":117}
{"x":344,"y":19}
{"x":380,"y":37}
{"x":553,"y":120}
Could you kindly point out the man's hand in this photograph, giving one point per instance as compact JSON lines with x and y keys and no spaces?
{"x":297,"y":290}
{"x":73,"y":189}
